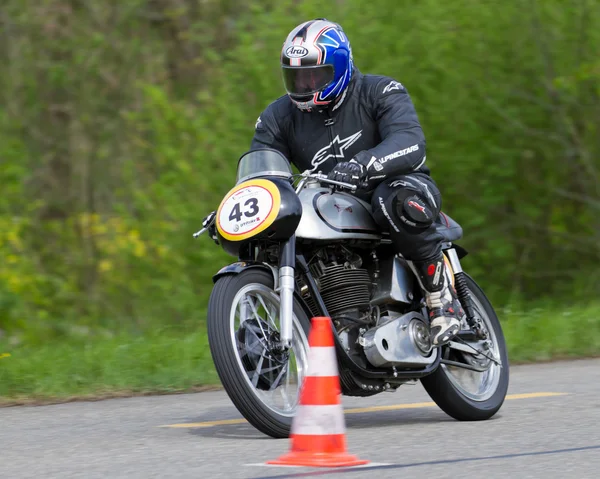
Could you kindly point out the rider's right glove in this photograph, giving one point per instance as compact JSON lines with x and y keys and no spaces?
{"x":212,"y":229}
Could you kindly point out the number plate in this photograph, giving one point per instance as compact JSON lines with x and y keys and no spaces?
{"x":248,"y":209}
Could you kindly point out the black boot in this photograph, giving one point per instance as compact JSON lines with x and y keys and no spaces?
{"x":444,"y":307}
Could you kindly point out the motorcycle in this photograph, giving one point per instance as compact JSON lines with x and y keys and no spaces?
{"x":307,"y":247}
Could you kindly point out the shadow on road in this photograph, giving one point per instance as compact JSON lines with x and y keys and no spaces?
{"x":367,"y":420}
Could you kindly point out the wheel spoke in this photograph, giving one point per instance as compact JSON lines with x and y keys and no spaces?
{"x":254,"y":373}
{"x":273,"y":323}
{"x":241,"y":348}
{"x":269,"y":379}
{"x":257,"y":370}
{"x":278,"y":378}
{"x":467,"y":348}
{"x":466,"y":366}
{"x":257,"y":317}
{"x":261,"y":339}
{"x":473,"y":380}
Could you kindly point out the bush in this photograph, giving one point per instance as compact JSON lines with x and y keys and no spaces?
{"x":123,"y":123}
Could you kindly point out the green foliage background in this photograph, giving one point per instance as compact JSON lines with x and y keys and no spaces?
{"x":121,"y":123}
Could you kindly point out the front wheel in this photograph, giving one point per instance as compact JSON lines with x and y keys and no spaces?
{"x":466,"y":394}
{"x":243,"y":325}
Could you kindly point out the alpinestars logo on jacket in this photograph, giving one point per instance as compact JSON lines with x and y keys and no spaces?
{"x":324,"y":153}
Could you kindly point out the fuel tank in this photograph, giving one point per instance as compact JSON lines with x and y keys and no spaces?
{"x":334,"y":216}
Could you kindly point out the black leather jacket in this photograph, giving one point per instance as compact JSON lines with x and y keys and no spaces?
{"x":375,"y":123}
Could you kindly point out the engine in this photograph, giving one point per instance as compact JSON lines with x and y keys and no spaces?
{"x":344,"y":285}
{"x":372,"y":333}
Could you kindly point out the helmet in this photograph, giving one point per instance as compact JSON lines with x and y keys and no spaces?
{"x":316,"y":62}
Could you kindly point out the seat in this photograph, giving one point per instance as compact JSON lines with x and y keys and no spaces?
{"x":448,"y":228}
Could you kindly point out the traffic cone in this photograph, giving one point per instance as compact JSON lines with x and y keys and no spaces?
{"x":318,"y":433}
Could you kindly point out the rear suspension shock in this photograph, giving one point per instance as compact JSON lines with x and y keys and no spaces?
{"x":464,"y":297}
{"x":462,"y":291}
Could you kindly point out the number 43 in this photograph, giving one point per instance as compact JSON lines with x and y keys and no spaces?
{"x":236,"y":213}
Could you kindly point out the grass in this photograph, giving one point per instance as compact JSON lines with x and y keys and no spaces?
{"x":158,"y":362}
{"x":169,"y":362}
{"x":549,"y":333}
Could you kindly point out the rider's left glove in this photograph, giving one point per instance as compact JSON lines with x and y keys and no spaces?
{"x":349,"y":172}
{"x":212,"y":229}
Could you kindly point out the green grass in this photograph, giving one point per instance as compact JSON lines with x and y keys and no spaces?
{"x":550,"y":332}
{"x":158,"y":362}
{"x":169,"y":362}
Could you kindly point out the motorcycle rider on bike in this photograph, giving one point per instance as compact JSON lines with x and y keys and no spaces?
{"x":363,"y":129}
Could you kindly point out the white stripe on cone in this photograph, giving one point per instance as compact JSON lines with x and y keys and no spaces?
{"x":319,"y":421}
{"x":322,"y":361}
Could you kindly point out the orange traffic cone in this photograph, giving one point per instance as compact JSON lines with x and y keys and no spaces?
{"x":318,"y":433}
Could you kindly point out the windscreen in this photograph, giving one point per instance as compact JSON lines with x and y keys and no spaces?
{"x":263,"y":163}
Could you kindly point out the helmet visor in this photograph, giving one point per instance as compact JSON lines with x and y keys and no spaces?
{"x":306,"y":80}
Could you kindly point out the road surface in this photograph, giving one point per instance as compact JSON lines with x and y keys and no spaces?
{"x":549,"y":427}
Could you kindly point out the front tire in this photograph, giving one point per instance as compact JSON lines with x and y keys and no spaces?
{"x":467,"y":395}
{"x":253,"y":375}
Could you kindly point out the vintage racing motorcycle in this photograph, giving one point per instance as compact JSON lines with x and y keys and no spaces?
{"x":307,"y":248}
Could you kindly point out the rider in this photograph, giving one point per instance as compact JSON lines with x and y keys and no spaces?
{"x":363,"y":129}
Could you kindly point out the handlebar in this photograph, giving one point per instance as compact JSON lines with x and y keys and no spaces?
{"x":199,"y":233}
{"x":323,"y":178}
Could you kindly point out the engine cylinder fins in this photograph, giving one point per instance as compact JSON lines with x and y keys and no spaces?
{"x":352,"y":297}
{"x":345,"y":288}
{"x":344,"y":284}
{"x":349,"y":292}
{"x":339,"y":277}
{"x":341,"y":287}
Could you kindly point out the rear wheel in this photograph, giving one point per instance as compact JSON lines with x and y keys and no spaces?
{"x":466,"y":394}
{"x":243,"y":324}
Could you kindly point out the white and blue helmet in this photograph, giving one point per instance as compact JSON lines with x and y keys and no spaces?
{"x":316,"y":60}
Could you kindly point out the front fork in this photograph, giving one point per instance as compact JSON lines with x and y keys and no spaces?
{"x":287,"y":262}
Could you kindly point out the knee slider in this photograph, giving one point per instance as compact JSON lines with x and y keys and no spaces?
{"x":413,"y":210}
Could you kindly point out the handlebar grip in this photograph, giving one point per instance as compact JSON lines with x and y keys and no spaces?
{"x":324,"y":179}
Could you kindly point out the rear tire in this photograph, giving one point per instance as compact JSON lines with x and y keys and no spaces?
{"x":445,"y":392}
{"x":229,"y":365}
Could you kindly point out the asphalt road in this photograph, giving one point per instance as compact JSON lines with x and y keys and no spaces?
{"x":535,"y":435}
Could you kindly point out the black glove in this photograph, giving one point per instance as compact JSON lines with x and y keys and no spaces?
{"x":348,"y":172}
{"x":212,"y":229}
